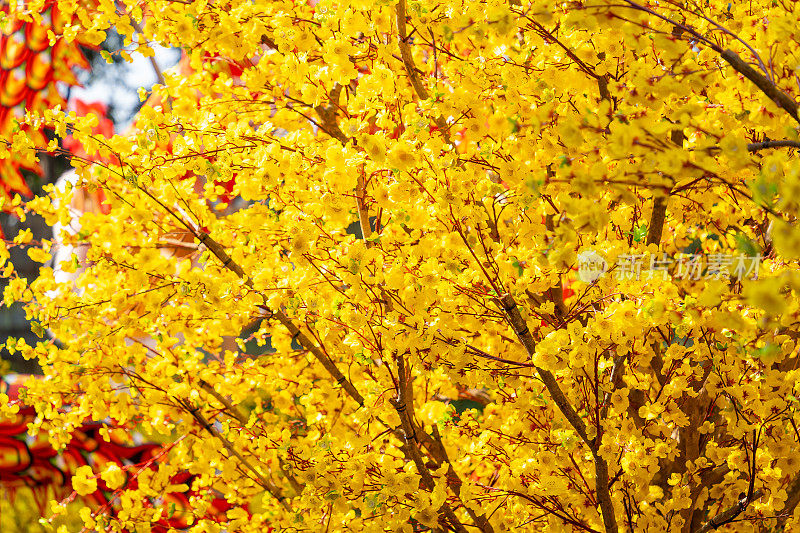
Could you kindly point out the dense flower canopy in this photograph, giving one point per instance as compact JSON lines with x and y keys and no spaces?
{"x":512,"y":265}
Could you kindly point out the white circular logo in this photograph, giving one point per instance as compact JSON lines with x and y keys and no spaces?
{"x":591,"y":266}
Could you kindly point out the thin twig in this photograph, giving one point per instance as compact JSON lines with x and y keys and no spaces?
{"x":219,"y":252}
{"x":159,"y":73}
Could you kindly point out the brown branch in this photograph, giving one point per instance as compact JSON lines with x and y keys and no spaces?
{"x":509,"y":306}
{"x":708,"y":479}
{"x":361,"y":207}
{"x":657,"y":218}
{"x":792,"y":500}
{"x":411,"y":69}
{"x":436,"y":450}
{"x":409,"y":449}
{"x":405,"y":51}
{"x":659,"y":214}
{"x":219,"y":252}
{"x":730,"y":513}
{"x":263,"y":481}
{"x":159,"y":73}
{"x":233,"y":411}
{"x":602,"y":85}
{"x":454,"y":482}
{"x":755,"y":147}
{"x":266,"y":40}
{"x":329,"y":365}
{"x":411,"y":443}
{"x":767,"y":87}
{"x":330,"y":125}
{"x":602,"y":81}
{"x":555,"y":294}
{"x":616,"y":376}
{"x":327,"y":115}
{"x":603,"y":491}
{"x":435,"y":447}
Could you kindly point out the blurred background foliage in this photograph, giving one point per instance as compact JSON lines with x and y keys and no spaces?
{"x":22,"y":509}
{"x":114,"y":84}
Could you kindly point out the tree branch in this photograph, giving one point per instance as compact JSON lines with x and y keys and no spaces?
{"x":219,"y":252}
{"x":755,"y":147}
{"x":520,"y":327}
{"x":263,"y":481}
{"x":330,"y":125}
{"x":412,"y":442}
{"x":405,"y":51}
{"x":411,"y":69}
{"x":659,"y":214}
{"x":657,"y":218}
{"x":509,"y":306}
{"x":361,"y":207}
{"x":766,"y":86}
{"x":153,"y":63}
{"x":792,"y":500}
{"x":616,"y":376}
{"x":234,"y":411}
{"x":327,"y":115}
{"x":730,"y":513}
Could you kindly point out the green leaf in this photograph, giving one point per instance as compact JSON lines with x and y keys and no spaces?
{"x":746,"y":245}
{"x":447,"y":34}
{"x":694,"y":247}
{"x":516,"y":264}
{"x":130,"y":177}
{"x":766,"y":351}
{"x":763,"y":191}
{"x":640,"y":233}
{"x":38,"y":329}
{"x":534,"y":184}
{"x":514,"y":124}
{"x":372,"y":501}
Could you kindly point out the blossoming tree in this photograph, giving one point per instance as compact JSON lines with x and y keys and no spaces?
{"x":570,"y":303}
